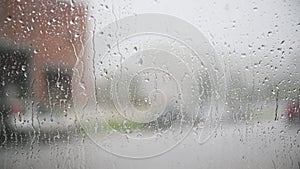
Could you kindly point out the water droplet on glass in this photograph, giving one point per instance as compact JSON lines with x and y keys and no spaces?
{"x":140,"y":61}
{"x":243,"y":55}
{"x":72,"y":22}
{"x":105,"y":71}
{"x":35,"y":51}
{"x":269,"y":33}
{"x":108,"y":46}
{"x":76,"y":35}
{"x":8,"y":18}
{"x":23,"y":67}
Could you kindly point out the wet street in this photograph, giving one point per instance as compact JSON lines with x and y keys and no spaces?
{"x":234,"y":146}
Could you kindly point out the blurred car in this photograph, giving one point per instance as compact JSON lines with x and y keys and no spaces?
{"x":171,"y":117}
{"x":293,"y":111}
{"x":23,"y":116}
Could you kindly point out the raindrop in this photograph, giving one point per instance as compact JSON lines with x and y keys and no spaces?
{"x":243,"y":55}
{"x":269,"y":33}
{"x":72,"y":22}
{"x":140,"y":61}
{"x":23,"y":67}
{"x":233,"y":24}
{"x":105,"y":71}
{"x":35,"y":51}
{"x":266,"y":79}
{"x":8,"y":18}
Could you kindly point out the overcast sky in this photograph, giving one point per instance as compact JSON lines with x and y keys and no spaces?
{"x":249,"y":36}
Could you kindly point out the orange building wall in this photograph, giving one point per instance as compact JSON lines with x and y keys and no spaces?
{"x":55,"y":33}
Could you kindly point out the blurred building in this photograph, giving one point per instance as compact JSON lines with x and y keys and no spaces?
{"x":51,"y":36}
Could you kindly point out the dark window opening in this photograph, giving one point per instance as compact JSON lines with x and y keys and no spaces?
{"x":14,"y":77}
{"x":59,"y":87}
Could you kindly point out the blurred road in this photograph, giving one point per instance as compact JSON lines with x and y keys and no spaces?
{"x":234,"y":146}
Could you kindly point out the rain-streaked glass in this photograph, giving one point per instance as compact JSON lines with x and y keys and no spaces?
{"x":149,"y":84}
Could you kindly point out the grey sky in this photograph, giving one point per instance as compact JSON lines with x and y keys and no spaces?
{"x":248,"y":36}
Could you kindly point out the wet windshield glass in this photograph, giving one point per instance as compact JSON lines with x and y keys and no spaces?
{"x":149,"y":84}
